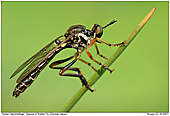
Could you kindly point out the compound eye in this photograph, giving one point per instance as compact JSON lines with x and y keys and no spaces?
{"x":99,"y":31}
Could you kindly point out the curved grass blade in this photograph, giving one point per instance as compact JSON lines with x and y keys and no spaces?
{"x":114,"y":56}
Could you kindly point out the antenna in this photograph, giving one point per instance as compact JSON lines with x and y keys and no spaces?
{"x":110,"y":23}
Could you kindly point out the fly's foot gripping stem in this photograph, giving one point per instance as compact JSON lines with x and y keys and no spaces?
{"x":84,"y":82}
{"x":99,"y":63}
{"x":124,"y":43}
{"x":68,"y":67}
{"x":112,"y":70}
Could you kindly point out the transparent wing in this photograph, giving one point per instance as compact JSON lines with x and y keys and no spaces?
{"x":35,"y":60}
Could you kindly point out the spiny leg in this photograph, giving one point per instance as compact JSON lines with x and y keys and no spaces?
{"x":91,"y":57}
{"x":67,"y":67}
{"x":64,"y":60}
{"x":79,"y":75}
{"x":99,"y":53}
{"x":119,"y":44}
{"x":59,"y":62}
{"x":88,"y":64}
{"x":78,"y":54}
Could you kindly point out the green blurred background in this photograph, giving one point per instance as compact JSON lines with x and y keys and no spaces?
{"x":139,"y":83}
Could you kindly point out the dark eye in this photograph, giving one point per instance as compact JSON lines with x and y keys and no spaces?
{"x":98,"y":30}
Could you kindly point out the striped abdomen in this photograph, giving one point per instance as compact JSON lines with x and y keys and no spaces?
{"x":28,"y":80}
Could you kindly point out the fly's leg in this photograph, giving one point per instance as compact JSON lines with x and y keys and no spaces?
{"x":79,"y":75}
{"x":119,"y":44}
{"x":59,"y":62}
{"x":91,"y":57}
{"x":99,"y":53}
{"x":88,"y":64}
{"x":67,"y":67}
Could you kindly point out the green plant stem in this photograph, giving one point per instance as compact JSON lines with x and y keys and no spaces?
{"x":113,"y":57}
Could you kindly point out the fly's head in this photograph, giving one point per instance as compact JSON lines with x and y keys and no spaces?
{"x":96,"y":31}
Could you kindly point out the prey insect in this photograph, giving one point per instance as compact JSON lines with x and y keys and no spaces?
{"x":77,"y":37}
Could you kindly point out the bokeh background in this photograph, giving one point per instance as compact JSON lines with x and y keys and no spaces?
{"x":139,"y":83}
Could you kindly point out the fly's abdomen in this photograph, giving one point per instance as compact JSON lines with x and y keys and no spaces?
{"x":26,"y":82}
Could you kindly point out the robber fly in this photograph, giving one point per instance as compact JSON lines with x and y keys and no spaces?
{"x":77,"y":37}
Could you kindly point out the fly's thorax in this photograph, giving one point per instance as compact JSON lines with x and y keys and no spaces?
{"x":81,"y":36}
{"x":75,"y":29}
{"x":85,"y":39}
{"x":79,"y":40}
